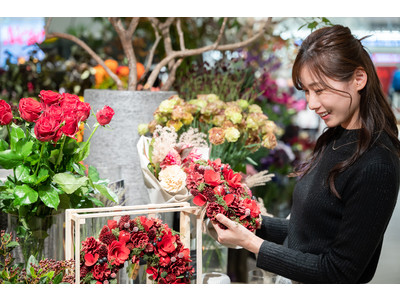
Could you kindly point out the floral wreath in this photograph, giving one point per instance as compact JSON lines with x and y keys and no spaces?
{"x":132,"y":240}
{"x":217,"y":188}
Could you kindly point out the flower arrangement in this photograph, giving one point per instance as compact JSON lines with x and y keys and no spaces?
{"x":235,"y":129}
{"x":44,"y":271}
{"x":48,"y":173}
{"x":132,"y":240}
{"x":164,"y":157}
{"x":217,"y":188}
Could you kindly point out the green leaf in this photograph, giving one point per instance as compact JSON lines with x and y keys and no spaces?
{"x":22,"y":173}
{"x":49,"y":196}
{"x":10,"y":159}
{"x":58,"y":278}
{"x":54,"y":156}
{"x":96,"y":201}
{"x":42,"y":176}
{"x":31,"y":260}
{"x":68,"y":182}
{"x":106,"y":192}
{"x":24,"y":195}
{"x":3,"y":145}
{"x":12,"y":244}
{"x":82,"y":152}
{"x":93,"y":174}
{"x":24,"y":147}
{"x":17,"y":133}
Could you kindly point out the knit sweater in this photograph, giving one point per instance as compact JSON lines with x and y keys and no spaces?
{"x":332,"y":240}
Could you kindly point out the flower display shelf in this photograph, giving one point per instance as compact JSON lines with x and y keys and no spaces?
{"x":76,"y":218}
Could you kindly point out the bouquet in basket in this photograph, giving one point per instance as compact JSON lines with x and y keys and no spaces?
{"x":163,"y":159}
{"x":218,"y":189}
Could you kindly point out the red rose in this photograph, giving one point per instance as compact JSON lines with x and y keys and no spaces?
{"x":212,"y":178}
{"x":104,"y":115}
{"x":83,"y":111}
{"x":49,"y":97}
{"x":29,"y":109}
{"x":47,"y":129}
{"x":54,"y":111}
{"x":5,"y":113}
{"x":229,"y":198}
{"x":101,"y":272}
{"x":71,"y":126}
{"x":118,"y":253}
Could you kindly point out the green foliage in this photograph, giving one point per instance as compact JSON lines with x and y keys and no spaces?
{"x":315,"y":22}
{"x":43,"y":272}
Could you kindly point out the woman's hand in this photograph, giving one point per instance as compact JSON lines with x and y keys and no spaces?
{"x":237,"y":234}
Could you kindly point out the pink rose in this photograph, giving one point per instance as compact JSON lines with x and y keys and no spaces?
{"x":29,"y":109}
{"x":5,"y":113}
{"x":105,"y":115}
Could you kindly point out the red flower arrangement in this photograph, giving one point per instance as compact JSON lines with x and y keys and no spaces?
{"x":134,"y":239}
{"x":218,"y":188}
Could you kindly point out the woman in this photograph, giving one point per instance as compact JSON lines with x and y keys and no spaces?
{"x":348,"y":189}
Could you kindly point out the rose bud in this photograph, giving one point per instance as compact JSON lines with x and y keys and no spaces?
{"x":105,"y":115}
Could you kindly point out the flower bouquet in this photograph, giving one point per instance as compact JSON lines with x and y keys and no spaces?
{"x":46,"y":159}
{"x":235,"y":129}
{"x":163,"y":159}
{"x":218,"y":189}
{"x":132,"y":240}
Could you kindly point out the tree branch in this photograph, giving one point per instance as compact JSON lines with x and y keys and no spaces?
{"x":153,"y":22}
{"x":180,"y":33}
{"x":171,"y":75}
{"x":88,"y":50}
{"x":221,"y":32}
{"x":126,"y":41}
{"x":190,"y":52}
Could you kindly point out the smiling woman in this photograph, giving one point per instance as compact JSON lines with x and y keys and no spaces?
{"x":346,"y":192}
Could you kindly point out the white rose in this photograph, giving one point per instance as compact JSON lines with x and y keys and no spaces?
{"x":172,"y":178}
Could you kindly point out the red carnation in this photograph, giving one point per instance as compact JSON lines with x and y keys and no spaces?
{"x":139,"y":239}
{"x":90,"y":245}
{"x":118,"y":253}
{"x":101,"y":272}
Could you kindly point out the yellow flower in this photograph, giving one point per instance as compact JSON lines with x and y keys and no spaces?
{"x":243,"y":103}
{"x":232,"y":134}
{"x":269,"y":127}
{"x":172,"y":179}
{"x":218,"y":120}
{"x":187,"y":118}
{"x":200,"y":103}
{"x":175,"y":124}
{"x":254,"y":108}
{"x":216,"y":135}
{"x":167,"y":106}
{"x":269,"y":141}
{"x":159,"y":118}
{"x":143,"y":128}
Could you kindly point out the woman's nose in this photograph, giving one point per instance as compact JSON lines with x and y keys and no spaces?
{"x":313,"y":102}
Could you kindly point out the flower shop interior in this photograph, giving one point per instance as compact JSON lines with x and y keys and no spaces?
{"x":116,"y":133}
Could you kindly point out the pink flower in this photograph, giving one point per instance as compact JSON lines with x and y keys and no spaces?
{"x":172,"y":158}
{"x":105,"y":115}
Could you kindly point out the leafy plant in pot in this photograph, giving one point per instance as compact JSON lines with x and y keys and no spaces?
{"x":47,"y":162}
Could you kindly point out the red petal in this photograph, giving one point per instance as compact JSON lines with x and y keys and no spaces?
{"x":229,"y":198}
{"x":199,"y":200}
{"x":90,"y":260}
{"x":112,"y":224}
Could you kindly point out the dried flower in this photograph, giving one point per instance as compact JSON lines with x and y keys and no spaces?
{"x":216,"y":136}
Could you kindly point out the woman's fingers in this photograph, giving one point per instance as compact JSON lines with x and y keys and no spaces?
{"x":224,"y":220}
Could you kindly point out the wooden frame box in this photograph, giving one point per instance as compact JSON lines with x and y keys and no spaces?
{"x":74,"y":218}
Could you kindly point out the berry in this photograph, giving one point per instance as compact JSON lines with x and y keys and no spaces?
{"x":173,"y":259}
{"x":126,"y":225}
{"x":159,"y":239}
{"x":135,"y":229}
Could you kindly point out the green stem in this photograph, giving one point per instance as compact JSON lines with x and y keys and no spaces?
{"x":94,"y":130}
{"x":9,"y":131}
{"x":60,"y":154}
{"x":40,"y":158}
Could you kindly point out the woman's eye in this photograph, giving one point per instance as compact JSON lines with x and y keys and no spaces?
{"x":318,"y":91}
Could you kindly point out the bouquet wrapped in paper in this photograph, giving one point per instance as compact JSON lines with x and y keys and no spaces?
{"x":163,"y":159}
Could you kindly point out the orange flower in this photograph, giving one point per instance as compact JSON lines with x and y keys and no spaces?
{"x":216,"y":135}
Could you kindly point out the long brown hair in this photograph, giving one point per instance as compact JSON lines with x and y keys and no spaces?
{"x":333,"y":52}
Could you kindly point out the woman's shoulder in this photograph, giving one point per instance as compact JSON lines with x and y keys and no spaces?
{"x":382,"y":151}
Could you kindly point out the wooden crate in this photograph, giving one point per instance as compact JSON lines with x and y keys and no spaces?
{"x":75,"y":218}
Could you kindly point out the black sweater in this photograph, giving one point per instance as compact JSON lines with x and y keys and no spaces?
{"x":332,"y":240}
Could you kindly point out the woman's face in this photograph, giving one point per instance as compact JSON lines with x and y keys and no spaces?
{"x":334,"y":107}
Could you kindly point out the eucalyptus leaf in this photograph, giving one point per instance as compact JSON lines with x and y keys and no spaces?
{"x":68,"y":182}
{"x":106,"y":192}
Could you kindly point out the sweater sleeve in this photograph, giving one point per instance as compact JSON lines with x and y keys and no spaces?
{"x":273,"y":229}
{"x":369,"y":202}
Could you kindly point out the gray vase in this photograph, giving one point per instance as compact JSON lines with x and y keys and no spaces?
{"x":113,"y":150}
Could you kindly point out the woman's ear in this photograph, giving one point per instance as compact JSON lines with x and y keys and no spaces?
{"x":360,"y":78}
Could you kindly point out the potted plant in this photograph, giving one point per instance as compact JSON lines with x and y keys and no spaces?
{"x":48,"y":174}
{"x":134,"y":107}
